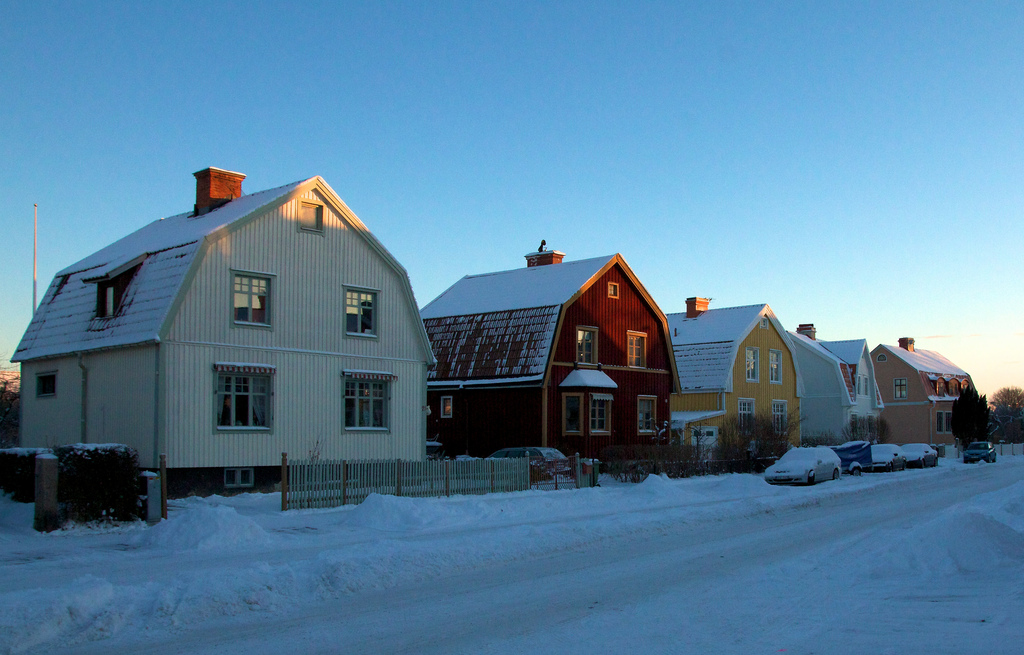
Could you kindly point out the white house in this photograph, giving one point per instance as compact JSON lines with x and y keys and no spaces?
{"x":839,"y":385}
{"x":253,"y":325}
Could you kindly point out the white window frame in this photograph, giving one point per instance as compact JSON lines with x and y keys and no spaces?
{"x":764,"y":322}
{"x":647,"y":423}
{"x":358,"y":294}
{"x":775,"y":367}
{"x":751,"y":414}
{"x":239,"y":478}
{"x":250,"y":392}
{"x":580,"y":331}
{"x":352,"y":393}
{"x":39,"y":377}
{"x":636,"y":355}
{"x":752,"y":354}
{"x":446,"y":406}
{"x":249,"y":293}
{"x":780,"y":418}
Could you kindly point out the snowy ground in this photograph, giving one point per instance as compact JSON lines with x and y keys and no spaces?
{"x":912,"y":562}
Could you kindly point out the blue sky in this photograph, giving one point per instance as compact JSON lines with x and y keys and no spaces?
{"x":855,"y":165}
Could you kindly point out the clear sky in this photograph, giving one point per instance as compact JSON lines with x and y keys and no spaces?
{"x":855,"y":165}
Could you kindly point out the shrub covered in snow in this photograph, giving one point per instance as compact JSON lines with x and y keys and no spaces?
{"x":98,"y":481}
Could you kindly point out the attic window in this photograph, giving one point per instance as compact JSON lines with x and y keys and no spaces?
{"x":613,"y":290}
{"x":110,"y":293}
{"x":764,"y":323}
{"x":881,"y":357}
{"x":311,"y":217}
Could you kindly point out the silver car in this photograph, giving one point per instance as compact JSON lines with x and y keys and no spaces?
{"x":804,"y":466}
{"x":887,"y":457}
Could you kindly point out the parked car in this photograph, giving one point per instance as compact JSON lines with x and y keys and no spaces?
{"x":980,"y":450}
{"x":920,"y":455}
{"x":855,"y":456}
{"x":887,"y":457}
{"x":804,"y":466}
{"x":548,"y":454}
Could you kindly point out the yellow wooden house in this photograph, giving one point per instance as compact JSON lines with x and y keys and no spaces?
{"x":734,"y":363}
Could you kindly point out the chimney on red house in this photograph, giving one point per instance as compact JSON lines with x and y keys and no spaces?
{"x":543,"y":257}
{"x":807,"y":329}
{"x":216,"y":187}
{"x":907,"y":343}
{"x":696,"y":306}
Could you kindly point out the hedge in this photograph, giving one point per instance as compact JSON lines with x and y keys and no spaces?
{"x":98,"y":481}
{"x":18,"y":472}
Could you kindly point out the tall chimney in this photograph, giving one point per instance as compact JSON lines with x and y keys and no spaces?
{"x":216,"y":187}
{"x":543,"y":258}
{"x":807,"y":329}
{"x":696,"y":306}
{"x":907,"y":343}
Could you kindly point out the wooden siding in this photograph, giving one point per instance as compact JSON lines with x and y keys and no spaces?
{"x":692,"y":402}
{"x":485,"y":420}
{"x":307,"y":409}
{"x":309,"y":275}
{"x":120,"y":401}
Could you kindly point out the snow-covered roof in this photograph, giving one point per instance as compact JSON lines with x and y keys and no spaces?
{"x":926,"y":361}
{"x":682,"y":419}
{"x":850,"y":350}
{"x":705,"y":347}
{"x":589,"y":378}
{"x":66,"y":321}
{"x":521,"y":288}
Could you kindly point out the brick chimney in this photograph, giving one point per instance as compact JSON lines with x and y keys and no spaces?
{"x":807,"y":329}
{"x":907,"y":343}
{"x":543,"y":257}
{"x":216,"y":187}
{"x":696,"y":306}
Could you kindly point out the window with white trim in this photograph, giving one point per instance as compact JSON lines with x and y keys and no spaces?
{"x":775,"y":366}
{"x":745,"y":410}
{"x":243,"y":401}
{"x":366,"y":404}
{"x":446,"y":406}
{"x":600,"y":413}
{"x":238,"y":477}
{"x":645,"y":413}
{"x":636,"y":349}
{"x":780,"y":416}
{"x":360,"y":312}
{"x":251,"y":299}
{"x":753,"y":361}
{"x":899,"y":388}
{"x":586,"y":345}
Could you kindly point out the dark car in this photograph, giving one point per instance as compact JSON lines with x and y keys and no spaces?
{"x":920,"y":455}
{"x":980,"y":450}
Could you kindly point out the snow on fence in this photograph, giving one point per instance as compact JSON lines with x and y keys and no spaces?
{"x":330,"y":483}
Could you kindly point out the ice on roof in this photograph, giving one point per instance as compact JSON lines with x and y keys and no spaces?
{"x":521,"y":288}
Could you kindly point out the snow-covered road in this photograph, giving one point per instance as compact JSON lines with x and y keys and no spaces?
{"x":914,"y":562}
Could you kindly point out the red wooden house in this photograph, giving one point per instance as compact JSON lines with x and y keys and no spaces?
{"x":572,"y":355}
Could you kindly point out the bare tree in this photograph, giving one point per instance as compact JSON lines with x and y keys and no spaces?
{"x":1007,"y":415}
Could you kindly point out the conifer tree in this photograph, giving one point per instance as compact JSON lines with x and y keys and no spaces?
{"x":970,"y":417}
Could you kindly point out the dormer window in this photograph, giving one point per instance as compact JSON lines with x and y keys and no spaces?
{"x":110,"y":293}
{"x":311,"y":217}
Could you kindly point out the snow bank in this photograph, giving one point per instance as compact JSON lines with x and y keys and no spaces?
{"x":203,"y":529}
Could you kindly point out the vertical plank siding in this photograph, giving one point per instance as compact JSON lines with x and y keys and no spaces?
{"x":306,"y":343}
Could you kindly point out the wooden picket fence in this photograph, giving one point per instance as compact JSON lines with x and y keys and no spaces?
{"x":307,"y":484}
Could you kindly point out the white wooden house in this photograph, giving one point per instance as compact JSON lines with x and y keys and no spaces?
{"x":253,"y":325}
{"x":840,"y":392}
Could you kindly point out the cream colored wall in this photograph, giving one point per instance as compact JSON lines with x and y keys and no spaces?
{"x":51,"y":420}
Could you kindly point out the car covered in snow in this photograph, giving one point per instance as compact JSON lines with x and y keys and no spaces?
{"x":887,"y":457}
{"x":804,"y":466}
{"x":855,"y":456}
{"x":547,"y":454}
{"x":920,"y":455}
{"x":980,"y":450}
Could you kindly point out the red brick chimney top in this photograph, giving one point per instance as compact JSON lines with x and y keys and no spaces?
{"x":907,"y":343}
{"x":543,"y":258}
{"x":807,"y":329}
{"x":215,"y":187}
{"x":696,"y":306}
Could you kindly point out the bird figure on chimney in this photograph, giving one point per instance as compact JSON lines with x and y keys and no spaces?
{"x":542,"y":244}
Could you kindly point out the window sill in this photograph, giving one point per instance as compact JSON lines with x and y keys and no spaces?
{"x":361,"y":335}
{"x":348,"y":429}
{"x":249,"y":324}
{"x":778,"y":383}
{"x":242,"y":428}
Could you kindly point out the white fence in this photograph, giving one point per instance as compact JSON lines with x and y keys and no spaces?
{"x":331,"y":483}
{"x":1002,"y":449}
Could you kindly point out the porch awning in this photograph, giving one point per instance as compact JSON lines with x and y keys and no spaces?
{"x":682,"y":419}
{"x":243,"y":367}
{"x":588,"y":378}
{"x":369,"y":375}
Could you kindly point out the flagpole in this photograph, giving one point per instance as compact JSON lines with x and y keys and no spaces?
{"x":35,"y":248}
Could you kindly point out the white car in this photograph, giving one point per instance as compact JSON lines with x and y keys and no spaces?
{"x":804,"y":466}
{"x":920,"y":455}
{"x":887,"y":457}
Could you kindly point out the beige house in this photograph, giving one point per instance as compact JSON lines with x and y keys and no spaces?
{"x":918,"y":388}
{"x":223,"y":336}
